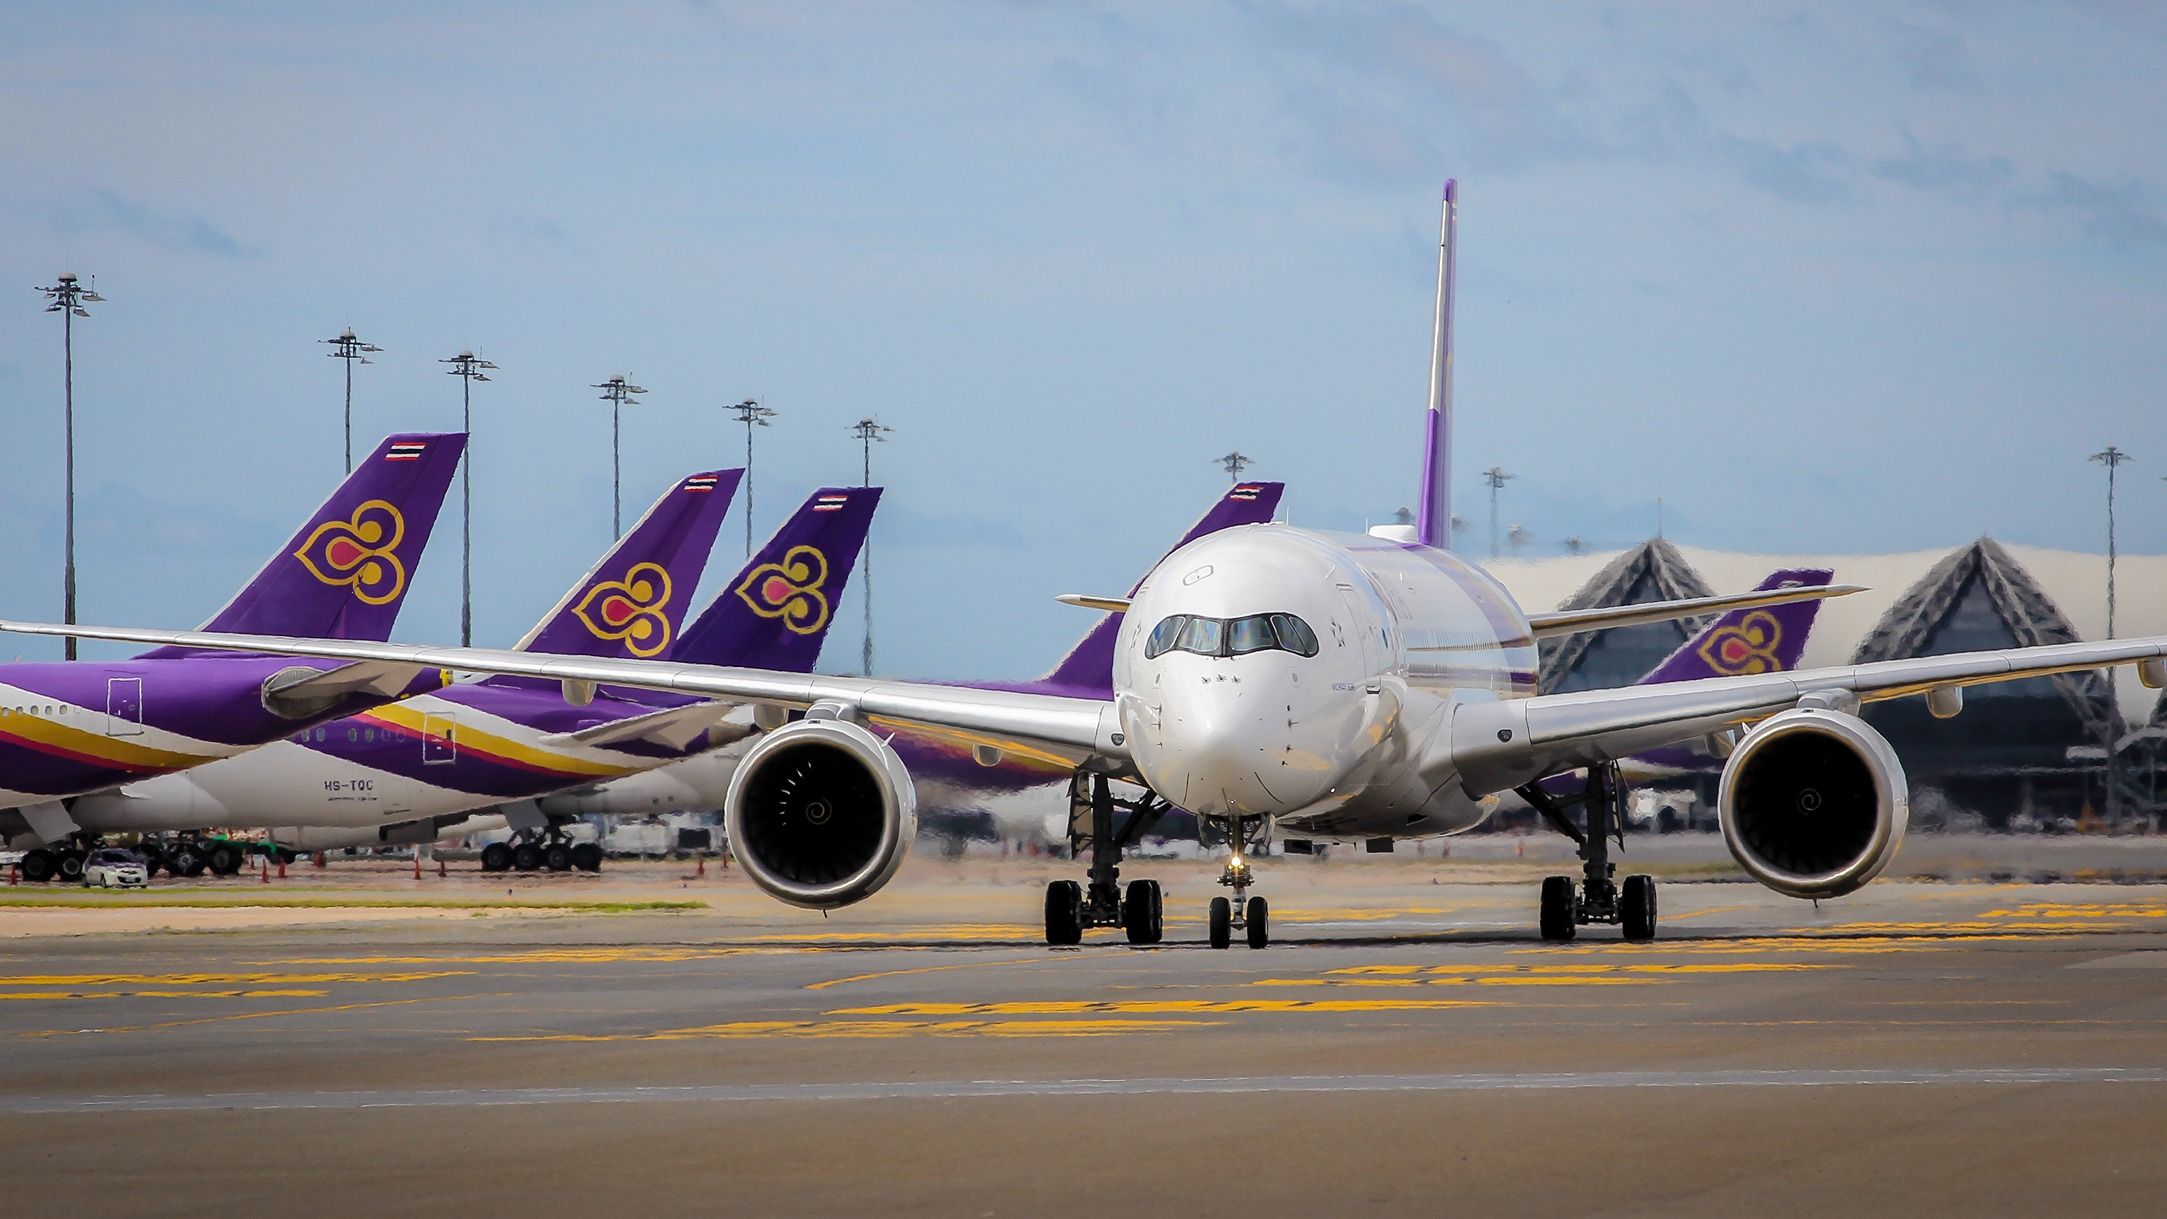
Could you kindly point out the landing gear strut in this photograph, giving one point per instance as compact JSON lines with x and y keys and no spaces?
{"x":1071,"y":908}
{"x":1250,"y":915}
{"x":1599,"y":899}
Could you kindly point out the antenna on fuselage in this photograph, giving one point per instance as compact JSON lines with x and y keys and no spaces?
{"x":1433,"y":523}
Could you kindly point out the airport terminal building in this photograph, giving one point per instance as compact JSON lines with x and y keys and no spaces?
{"x":2020,"y":754}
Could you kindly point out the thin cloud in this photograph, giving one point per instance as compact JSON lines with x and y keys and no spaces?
{"x":179,"y":232}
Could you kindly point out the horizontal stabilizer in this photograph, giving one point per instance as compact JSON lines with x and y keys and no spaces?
{"x":1567,"y":622}
{"x":301,"y":693}
{"x":673,"y":727}
{"x":1112,"y":605}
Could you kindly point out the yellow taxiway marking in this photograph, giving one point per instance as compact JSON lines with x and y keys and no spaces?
{"x":1953,"y":929}
{"x":18,"y":996}
{"x":2054,"y":910}
{"x":1828,"y":943}
{"x":936,"y":931}
{"x":881,"y":1029}
{"x":214,"y":979}
{"x":933,"y":969}
{"x":1592,"y":967}
{"x":232,"y":1016}
{"x":1487,"y":980}
{"x":543,"y":956}
{"x":1155,"y":1007}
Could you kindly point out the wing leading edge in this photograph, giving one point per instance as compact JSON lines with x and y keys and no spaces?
{"x":1568,"y":622}
{"x":1080,"y":732}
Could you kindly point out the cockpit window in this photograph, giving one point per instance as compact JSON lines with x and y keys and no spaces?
{"x":1230,"y":636}
{"x":1252,"y":634}
{"x":1202,"y":636}
{"x":1295,"y":635}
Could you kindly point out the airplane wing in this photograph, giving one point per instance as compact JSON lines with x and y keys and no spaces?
{"x":1567,"y":622}
{"x":1077,"y":732}
{"x":1500,"y":745}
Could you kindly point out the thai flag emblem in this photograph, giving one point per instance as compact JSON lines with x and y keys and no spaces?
{"x":1246,"y":491}
{"x":700,"y":482}
{"x":406,"y":450}
{"x":830,"y":503}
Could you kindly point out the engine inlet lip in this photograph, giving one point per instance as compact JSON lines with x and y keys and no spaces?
{"x":1890,"y":789}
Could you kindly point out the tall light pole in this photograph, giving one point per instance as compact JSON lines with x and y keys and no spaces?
{"x":752,"y":415}
{"x":868,"y":433}
{"x":348,"y":348}
{"x":2112,"y":457}
{"x":617,"y":391}
{"x":66,"y":297}
{"x":1497,"y":478}
{"x":1235,"y":462}
{"x":469,"y":368}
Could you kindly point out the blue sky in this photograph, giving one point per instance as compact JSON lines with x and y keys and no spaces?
{"x":1827,"y":277}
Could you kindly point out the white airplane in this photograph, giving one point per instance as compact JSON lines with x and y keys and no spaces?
{"x":1351,"y":686}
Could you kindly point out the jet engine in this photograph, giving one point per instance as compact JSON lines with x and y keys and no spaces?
{"x":1813,"y":803}
{"x":820,"y":813}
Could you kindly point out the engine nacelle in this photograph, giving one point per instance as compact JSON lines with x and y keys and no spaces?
{"x":1813,"y":803}
{"x":820,"y":813}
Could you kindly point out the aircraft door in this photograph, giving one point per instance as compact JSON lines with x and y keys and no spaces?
{"x":1356,"y":630}
{"x":439,"y":739}
{"x":124,"y":706}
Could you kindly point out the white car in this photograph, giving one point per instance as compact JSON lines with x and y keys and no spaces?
{"x":113,"y":868}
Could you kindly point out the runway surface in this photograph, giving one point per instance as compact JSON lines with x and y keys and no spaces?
{"x":1407,"y":1042}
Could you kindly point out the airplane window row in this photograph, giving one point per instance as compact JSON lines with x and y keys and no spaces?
{"x":33,"y":710}
{"x":1231,"y":636}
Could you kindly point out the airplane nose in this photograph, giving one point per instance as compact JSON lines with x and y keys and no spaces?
{"x":1208,"y":751}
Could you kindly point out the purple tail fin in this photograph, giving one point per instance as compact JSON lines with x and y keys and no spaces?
{"x":345,"y":574}
{"x":1089,"y":666}
{"x":1748,"y":641}
{"x":776,"y":612}
{"x":632,"y":604}
{"x":1433,"y":521}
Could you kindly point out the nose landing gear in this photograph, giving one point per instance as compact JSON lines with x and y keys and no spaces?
{"x":1072,"y":909}
{"x":1249,"y":915}
{"x":1599,"y":899}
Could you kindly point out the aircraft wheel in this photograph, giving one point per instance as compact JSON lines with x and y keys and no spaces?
{"x":1064,"y":913}
{"x":1259,"y":920}
{"x":39,"y":866}
{"x":1222,"y":922}
{"x":68,"y":866}
{"x":587,"y":857}
{"x":557,"y":857}
{"x":224,"y":858}
{"x":526,"y":857}
{"x":186,"y":860}
{"x":496,"y":857}
{"x":1557,"y":908}
{"x":1141,"y":914}
{"x":1638,"y":908}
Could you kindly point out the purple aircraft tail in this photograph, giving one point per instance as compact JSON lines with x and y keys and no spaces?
{"x":1089,"y":666}
{"x":344,"y":575}
{"x":775,"y":613}
{"x":632,"y":604}
{"x":1748,"y":641}
{"x":1433,"y":522}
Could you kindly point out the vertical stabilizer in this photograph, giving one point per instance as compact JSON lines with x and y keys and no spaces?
{"x":1089,"y":666}
{"x":775,"y":613}
{"x":632,"y":604}
{"x":346,"y":572}
{"x":1433,"y":521}
{"x":1747,"y":641}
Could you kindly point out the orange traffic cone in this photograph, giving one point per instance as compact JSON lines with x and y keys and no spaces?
{"x":282,"y":867}
{"x":440,"y":866}
{"x":417,"y":865}
{"x":266,"y":866}
{"x":702,"y":869}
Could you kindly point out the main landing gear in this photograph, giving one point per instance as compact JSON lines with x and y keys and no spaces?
{"x":1071,"y":908}
{"x":534,"y":850}
{"x":1599,"y":898}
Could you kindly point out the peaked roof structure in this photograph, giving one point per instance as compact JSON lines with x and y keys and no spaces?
{"x":2023,"y":607}
{"x":1651,"y":571}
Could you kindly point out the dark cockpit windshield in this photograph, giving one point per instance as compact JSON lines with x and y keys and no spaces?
{"x":1231,"y":636}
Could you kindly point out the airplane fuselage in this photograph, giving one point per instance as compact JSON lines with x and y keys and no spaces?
{"x":1335,"y":742}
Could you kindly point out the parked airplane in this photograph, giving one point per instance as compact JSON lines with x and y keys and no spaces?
{"x":70,"y":728}
{"x":1340,"y":686}
{"x":947,"y":774}
{"x":433,"y":753}
{"x":403,"y":773}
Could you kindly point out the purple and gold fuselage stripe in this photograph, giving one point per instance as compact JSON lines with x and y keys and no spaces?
{"x":92,"y":748}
